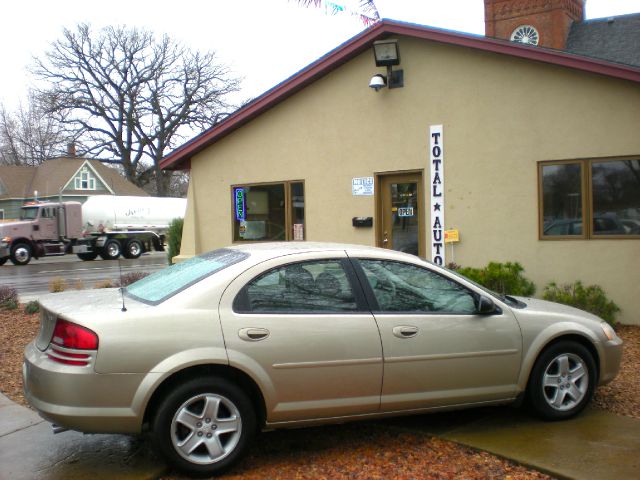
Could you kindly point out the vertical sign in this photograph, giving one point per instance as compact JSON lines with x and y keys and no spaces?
{"x":240,"y":204}
{"x":436,"y":157}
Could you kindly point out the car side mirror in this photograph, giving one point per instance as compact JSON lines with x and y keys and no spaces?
{"x":486,"y":306}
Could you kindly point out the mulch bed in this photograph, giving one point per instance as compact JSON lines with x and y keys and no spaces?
{"x":359,"y":450}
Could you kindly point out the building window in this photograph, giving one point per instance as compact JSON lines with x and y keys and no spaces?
{"x":85,"y":181}
{"x":268,"y":212}
{"x":590,"y":199}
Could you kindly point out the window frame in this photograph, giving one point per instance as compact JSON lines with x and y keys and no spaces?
{"x":288,"y":210}
{"x":586,"y":184}
{"x":240,"y":306}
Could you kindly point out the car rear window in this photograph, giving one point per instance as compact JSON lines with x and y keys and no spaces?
{"x":160,"y":286}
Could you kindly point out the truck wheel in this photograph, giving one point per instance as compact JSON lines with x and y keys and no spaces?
{"x":3,"y":260}
{"x":87,"y":256}
{"x":133,"y":249}
{"x":20,"y":254}
{"x":111,"y":250}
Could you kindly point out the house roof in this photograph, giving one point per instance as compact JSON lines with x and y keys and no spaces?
{"x":181,"y":157}
{"x":616,"y":39}
{"x":53,"y":175}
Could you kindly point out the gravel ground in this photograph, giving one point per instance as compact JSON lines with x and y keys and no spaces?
{"x":359,"y":450}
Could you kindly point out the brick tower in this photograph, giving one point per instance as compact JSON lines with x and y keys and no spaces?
{"x":537,"y":22}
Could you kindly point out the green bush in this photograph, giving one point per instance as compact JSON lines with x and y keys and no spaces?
{"x":504,"y":278}
{"x":592,"y":299}
{"x":8,"y":298}
{"x":32,"y":307}
{"x":174,"y":238}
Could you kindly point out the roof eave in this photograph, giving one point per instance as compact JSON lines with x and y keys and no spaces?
{"x":180,"y":158}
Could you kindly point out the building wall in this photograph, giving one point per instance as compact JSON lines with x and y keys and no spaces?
{"x":501,"y":116}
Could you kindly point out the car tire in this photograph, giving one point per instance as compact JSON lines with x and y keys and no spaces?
{"x":20,"y":254}
{"x":202,"y":445}
{"x":133,"y":249}
{"x":87,"y":257}
{"x":562,"y":381}
{"x":111,"y":250}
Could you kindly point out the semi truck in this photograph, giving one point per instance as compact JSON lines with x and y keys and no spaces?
{"x":108,"y":226}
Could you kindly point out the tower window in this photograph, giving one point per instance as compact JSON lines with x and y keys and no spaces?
{"x":525,"y":34}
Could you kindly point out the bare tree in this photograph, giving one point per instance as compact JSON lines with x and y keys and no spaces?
{"x":365,"y":9}
{"x":132,"y":97}
{"x":28,"y":136}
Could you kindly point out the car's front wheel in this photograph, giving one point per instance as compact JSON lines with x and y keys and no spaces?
{"x":562,"y":381}
{"x":204,"y":426}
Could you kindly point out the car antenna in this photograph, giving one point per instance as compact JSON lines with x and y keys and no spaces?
{"x":115,"y":219}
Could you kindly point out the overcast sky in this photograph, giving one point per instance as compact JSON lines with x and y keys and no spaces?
{"x":262,"y":41}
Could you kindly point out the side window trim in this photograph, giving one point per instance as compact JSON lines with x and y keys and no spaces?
{"x":240,"y":304}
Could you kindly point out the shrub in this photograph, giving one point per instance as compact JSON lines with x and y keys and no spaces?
{"x":78,"y":285}
{"x":32,"y":307}
{"x":57,"y":284}
{"x":8,"y":298}
{"x":592,"y":299}
{"x":504,"y":278}
{"x":129,"y":278}
{"x":174,"y":238}
{"x":104,"y":284}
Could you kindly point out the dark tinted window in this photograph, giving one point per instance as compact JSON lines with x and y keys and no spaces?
{"x":616,"y":197}
{"x":562,"y":199}
{"x":401,"y":287}
{"x":320,"y":286}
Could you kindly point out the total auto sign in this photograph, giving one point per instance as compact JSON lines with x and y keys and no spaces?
{"x":436,"y":157}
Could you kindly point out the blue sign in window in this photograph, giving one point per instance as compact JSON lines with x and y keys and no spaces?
{"x":240,"y":204}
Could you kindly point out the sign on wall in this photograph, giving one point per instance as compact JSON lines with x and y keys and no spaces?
{"x":436,"y":158}
{"x":239,"y":198}
{"x":362,"y":186}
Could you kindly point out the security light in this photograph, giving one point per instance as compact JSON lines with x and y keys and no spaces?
{"x":386,"y":54}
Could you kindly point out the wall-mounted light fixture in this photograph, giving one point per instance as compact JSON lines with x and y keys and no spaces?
{"x":387,"y":54}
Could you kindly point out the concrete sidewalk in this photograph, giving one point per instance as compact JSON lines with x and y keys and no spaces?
{"x":595,"y":445}
{"x":29,"y":451}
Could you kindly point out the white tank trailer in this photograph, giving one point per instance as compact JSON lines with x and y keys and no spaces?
{"x":105,"y":225}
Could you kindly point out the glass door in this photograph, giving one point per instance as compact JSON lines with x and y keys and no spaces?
{"x":400,"y":205}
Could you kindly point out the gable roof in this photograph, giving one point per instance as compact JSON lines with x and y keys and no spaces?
{"x":180,"y":158}
{"x":616,"y":39}
{"x":53,"y":175}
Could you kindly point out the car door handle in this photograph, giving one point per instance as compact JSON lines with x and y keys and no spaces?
{"x":253,"y":334}
{"x":405,"y":331}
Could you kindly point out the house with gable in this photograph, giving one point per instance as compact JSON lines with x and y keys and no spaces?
{"x":69,"y":178}
{"x":521,"y":145}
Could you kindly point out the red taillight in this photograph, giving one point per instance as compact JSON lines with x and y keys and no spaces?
{"x":70,"y":335}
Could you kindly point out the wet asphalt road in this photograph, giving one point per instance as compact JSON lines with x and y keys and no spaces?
{"x":33,"y":279}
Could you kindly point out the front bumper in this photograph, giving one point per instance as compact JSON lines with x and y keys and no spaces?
{"x":78,"y":398}
{"x":610,"y":360}
{"x":5,"y":251}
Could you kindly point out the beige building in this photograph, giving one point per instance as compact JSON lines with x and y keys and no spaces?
{"x":532,"y":155}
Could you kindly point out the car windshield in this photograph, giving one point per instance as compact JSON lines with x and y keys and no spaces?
{"x":160,"y":286}
{"x":28,"y":213}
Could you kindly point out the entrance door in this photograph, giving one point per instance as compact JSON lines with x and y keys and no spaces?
{"x":400,"y":212}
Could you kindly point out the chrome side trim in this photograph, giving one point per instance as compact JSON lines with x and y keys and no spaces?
{"x":328,"y":363}
{"x":448,"y":356}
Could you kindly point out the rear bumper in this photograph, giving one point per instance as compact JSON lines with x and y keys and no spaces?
{"x":78,"y":398}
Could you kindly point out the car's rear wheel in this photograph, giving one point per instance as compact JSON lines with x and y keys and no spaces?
{"x":562,"y":381}
{"x":204,"y":426}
